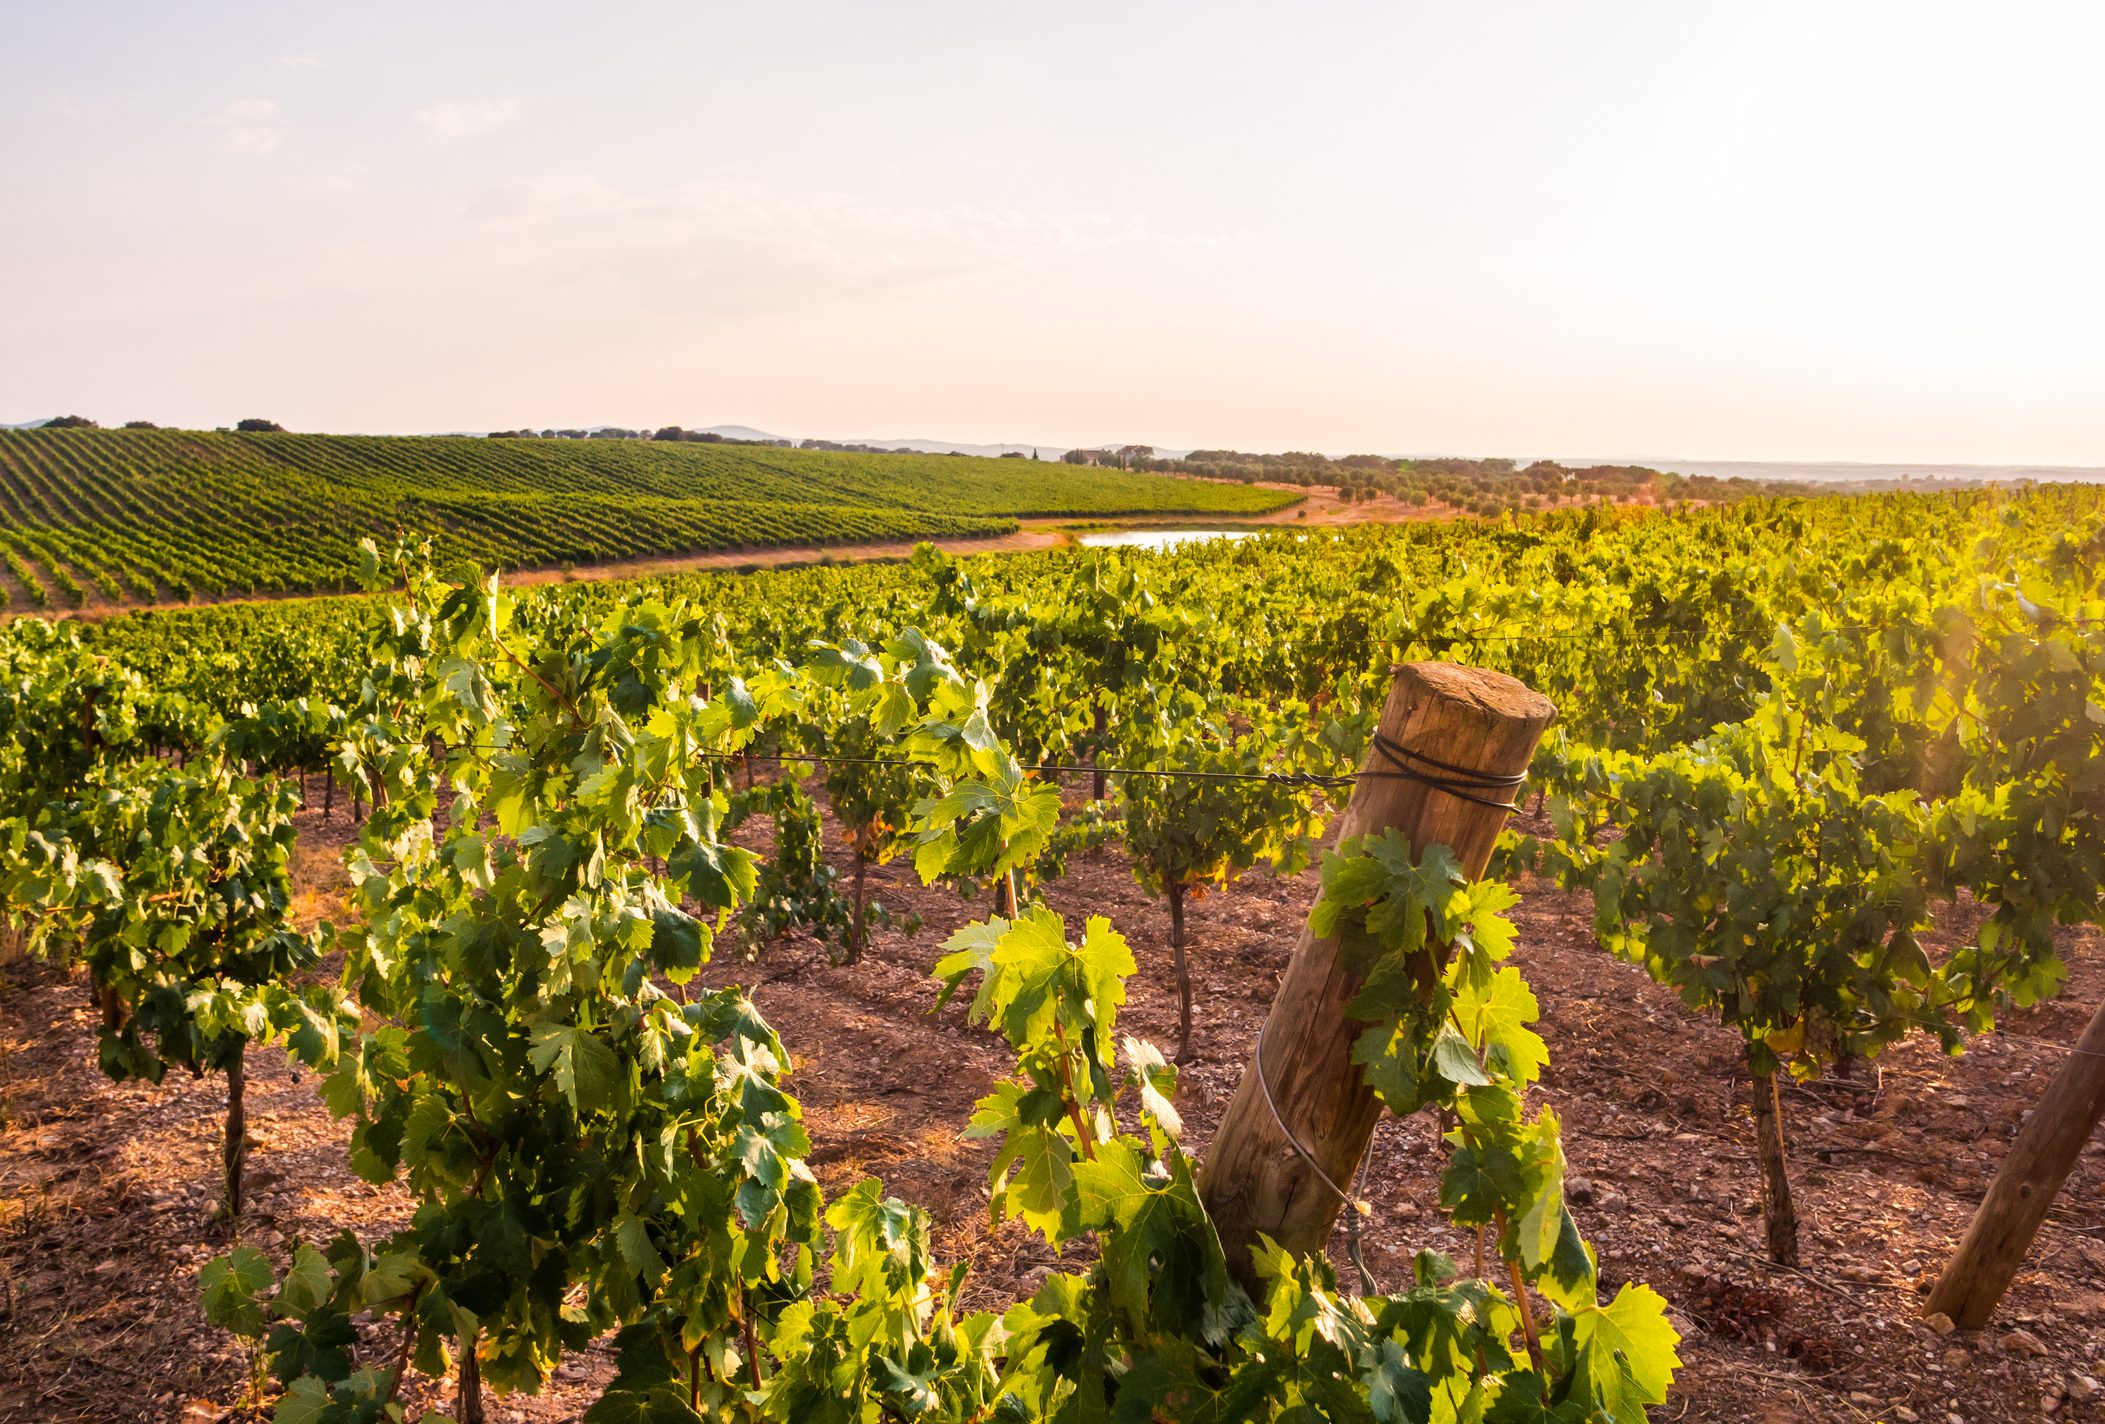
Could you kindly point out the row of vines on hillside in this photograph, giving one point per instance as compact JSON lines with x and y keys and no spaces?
{"x":152,"y":513}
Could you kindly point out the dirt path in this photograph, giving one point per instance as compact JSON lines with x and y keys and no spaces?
{"x":103,"y":1188}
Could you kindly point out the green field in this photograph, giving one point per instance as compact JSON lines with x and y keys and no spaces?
{"x":130,"y":516}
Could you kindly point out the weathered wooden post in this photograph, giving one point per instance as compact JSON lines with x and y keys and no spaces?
{"x":2025,"y":1186}
{"x":1458,"y":740}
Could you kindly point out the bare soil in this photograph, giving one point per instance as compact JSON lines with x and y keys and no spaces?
{"x":105,"y":1189}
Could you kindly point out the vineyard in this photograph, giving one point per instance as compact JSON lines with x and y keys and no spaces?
{"x":101,"y":517}
{"x":1592,"y":967}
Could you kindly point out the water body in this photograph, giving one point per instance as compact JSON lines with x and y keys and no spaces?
{"x":1157,"y":538}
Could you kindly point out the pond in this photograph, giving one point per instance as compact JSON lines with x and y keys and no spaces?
{"x":1157,"y":538}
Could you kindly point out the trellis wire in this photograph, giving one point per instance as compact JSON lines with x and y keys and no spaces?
{"x":1456,"y":781}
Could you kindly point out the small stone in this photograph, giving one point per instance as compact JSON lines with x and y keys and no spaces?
{"x":1938,"y":1321}
{"x":2024,"y":1342}
{"x":1905,"y":1415}
{"x":2082,"y":1387}
{"x":1578,"y":1189}
{"x":1958,"y":1100}
{"x":1861,"y":1400}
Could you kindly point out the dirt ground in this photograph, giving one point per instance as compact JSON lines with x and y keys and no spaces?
{"x":105,"y":1189}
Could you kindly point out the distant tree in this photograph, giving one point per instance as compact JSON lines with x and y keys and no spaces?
{"x":1075,"y":457}
{"x":140,"y":425}
{"x":670,"y":432}
{"x":254,"y":426}
{"x":71,"y":422}
{"x":1014,"y":455}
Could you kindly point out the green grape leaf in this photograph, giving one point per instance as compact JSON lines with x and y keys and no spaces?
{"x":308,"y":1282}
{"x":231,"y":1287}
{"x":1626,"y":1351}
{"x":586,"y":1070}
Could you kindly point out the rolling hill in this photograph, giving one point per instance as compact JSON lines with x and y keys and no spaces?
{"x":123,"y":516}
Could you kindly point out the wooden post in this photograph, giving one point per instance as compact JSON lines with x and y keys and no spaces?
{"x":1779,"y":1214}
{"x":234,"y":1147}
{"x":2025,"y":1186}
{"x":467,"y":1401}
{"x":1253,"y":1181}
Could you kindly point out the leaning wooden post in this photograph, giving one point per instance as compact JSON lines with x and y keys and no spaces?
{"x":2025,"y":1186}
{"x":1457,"y":725}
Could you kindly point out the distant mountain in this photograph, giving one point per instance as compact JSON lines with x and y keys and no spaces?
{"x":1856,"y":472}
{"x":926,"y":446}
{"x":739,"y":432}
{"x":26,"y":424}
{"x":919,"y":444}
{"x":965,"y":447}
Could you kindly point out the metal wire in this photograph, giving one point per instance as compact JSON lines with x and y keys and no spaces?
{"x":1264,"y":1083}
{"x":1367,"y":1284}
{"x":1457,"y":781}
{"x":1275,"y":778}
{"x":1995,"y":1030}
{"x":1445,"y":777}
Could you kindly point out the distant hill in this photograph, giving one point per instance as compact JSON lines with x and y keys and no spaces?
{"x":919,"y":445}
{"x":740,"y":432}
{"x":925,"y":445}
{"x":963,"y":447}
{"x":1853,"y":473}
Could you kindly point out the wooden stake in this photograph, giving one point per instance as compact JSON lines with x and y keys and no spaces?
{"x":1779,"y":1214}
{"x":1183,"y":970}
{"x":467,"y":1402}
{"x":2025,"y":1186}
{"x":234,"y":1146}
{"x":1253,"y":1181}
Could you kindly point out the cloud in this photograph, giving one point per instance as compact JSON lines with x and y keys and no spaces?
{"x":250,"y":126}
{"x":305,"y":59}
{"x":464,"y":118}
{"x":749,"y":245}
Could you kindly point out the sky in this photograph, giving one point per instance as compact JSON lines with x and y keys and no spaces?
{"x":1782,"y":231}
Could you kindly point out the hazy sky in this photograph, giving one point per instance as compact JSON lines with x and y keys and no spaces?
{"x":1819,"y":231}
